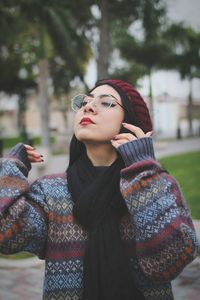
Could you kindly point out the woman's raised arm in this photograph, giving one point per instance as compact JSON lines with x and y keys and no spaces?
{"x":23,"y":208}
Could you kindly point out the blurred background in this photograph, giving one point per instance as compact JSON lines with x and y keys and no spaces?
{"x":51,"y":50}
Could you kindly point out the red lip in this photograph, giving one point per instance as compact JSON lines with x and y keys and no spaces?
{"x":86,"y":121}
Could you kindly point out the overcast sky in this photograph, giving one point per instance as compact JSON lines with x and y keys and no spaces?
{"x":187,"y":11}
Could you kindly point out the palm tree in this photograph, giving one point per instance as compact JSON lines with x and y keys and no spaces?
{"x":11,"y":63}
{"x":58,"y":32}
{"x":184,"y":57}
{"x":150,"y":50}
{"x":112,"y":14}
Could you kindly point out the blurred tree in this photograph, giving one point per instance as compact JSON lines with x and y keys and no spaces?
{"x":105,"y":40}
{"x":16,"y":75}
{"x":149,"y":49}
{"x":184,"y":56}
{"x":59,"y":27}
{"x":56,"y":34}
{"x":106,"y":15}
{"x":131,"y":72}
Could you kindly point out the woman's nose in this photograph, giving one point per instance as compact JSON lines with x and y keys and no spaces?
{"x":90,"y":106}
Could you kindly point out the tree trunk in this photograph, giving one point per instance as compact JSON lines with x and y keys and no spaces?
{"x":44,"y":102}
{"x":190,"y":110}
{"x":105,"y":42}
{"x":151,"y":104}
{"x":22,"y":119}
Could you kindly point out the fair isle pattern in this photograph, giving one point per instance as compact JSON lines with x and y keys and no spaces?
{"x":16,"y":235}
{"x":160,"y":229}
{"x":155,"y":265}
{"x":63,"y":295}
{"x":12,"y":167}
{"x":150,"y":288}
{"x":69,"y":274}
{"x":138,"y":192}
{"x":157,"y":232}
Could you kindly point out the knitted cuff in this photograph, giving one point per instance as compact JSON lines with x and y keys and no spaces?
{"x":19,"y":152}
{"x":137,"y":150}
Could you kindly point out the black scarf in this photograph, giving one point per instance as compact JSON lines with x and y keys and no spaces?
{"x":98,"y":207}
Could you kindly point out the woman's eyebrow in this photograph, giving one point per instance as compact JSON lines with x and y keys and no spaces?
{"x":101,"y":95}
{"x":90,"y":95}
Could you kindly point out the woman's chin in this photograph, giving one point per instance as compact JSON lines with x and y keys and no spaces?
{"x":87,"y":139}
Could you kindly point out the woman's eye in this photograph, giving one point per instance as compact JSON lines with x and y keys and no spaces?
{"x":105,"y":103}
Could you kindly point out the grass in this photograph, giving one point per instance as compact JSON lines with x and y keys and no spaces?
{"x":9,"y":142}
{"x":20,"y":255}
{"x":186,"y":169}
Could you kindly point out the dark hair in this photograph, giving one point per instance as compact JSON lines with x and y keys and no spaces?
{"x":76,"y":149}
{"x":136,"y":113}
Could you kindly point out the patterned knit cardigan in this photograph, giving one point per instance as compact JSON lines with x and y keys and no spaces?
{"x":158,"y":231}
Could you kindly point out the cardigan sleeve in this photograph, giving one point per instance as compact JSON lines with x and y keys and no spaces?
{"x":165,"y":237}
{"x":23,"y":225}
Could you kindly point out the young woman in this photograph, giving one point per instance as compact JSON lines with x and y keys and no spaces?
{"x":115,"y":225}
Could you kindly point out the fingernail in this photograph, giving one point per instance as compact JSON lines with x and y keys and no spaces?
{"x":123,"y":124}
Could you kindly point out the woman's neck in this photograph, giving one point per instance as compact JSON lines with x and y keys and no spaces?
{"x":101,"y":154}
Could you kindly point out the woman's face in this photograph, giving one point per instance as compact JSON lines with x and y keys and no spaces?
{"x":92,"y":125}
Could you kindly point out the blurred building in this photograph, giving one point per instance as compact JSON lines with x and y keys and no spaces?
{"x":169,"y":114}
{"x":59,"y":119}
{"x":8,"y":115}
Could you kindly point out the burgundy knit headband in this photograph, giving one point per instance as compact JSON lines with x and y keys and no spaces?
{"x":137,"y":110}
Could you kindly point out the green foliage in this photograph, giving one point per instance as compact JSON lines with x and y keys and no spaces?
{"x":149,"y":50}
{"x":186,"y":169}
{"x":153,"y":16}
{"x":9,"y":142}
{"x":12,"y":54}
{"x":130,"y":73}
{"x":20,"y":255}
{"x":148,"y":53}
{"x":161,"y":45}
{"x":185,"y":50}
{"x":127,"y":11}
{"x":184,"y":56}
{"x":32,"y":30}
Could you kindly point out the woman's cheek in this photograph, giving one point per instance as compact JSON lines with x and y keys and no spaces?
{"x":76,"y":123}
{"x":76,"y":131}
{"x":116,"y":127}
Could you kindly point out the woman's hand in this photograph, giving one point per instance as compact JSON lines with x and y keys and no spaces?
{"x":33,"y":155}
{"x":123,"y":138}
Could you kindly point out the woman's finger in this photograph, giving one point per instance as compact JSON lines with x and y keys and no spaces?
{"x":29,"y":147}
{"x":138,"y":132}
{"x":127,"y":136}
{"x":33,"y":155}
{"x":117,"y":143}
{"x":34,"y":159}
{"x":148,"y":134}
